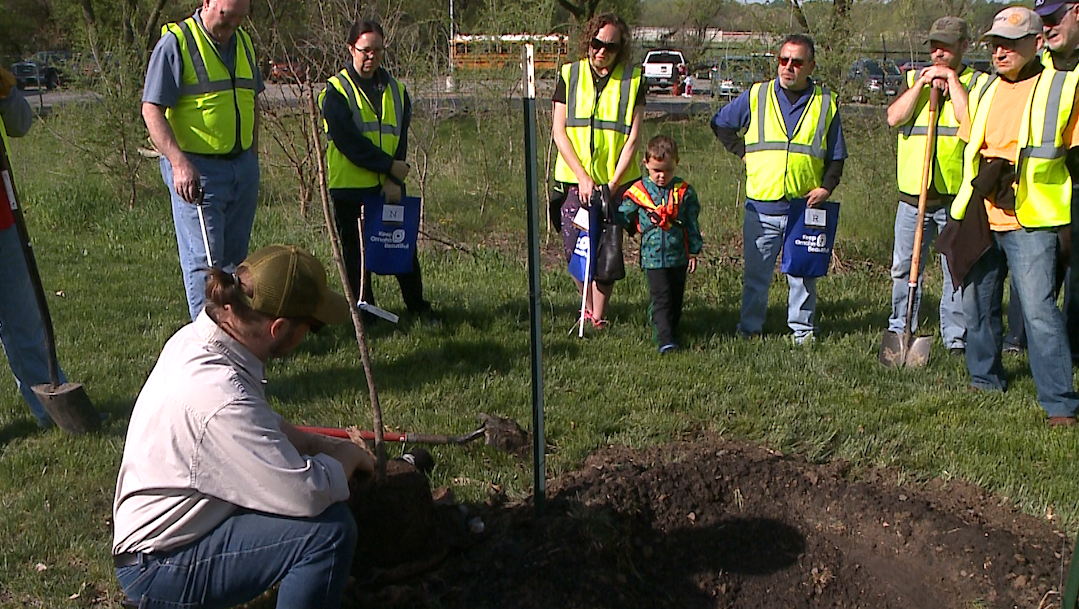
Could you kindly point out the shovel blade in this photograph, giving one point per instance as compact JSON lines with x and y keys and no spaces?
{"x":69,"y":407}
{"x":902,"y":349}
{"x":892,"y":349}
{"x":918,"y":352}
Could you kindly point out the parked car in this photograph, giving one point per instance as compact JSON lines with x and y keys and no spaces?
{"x":290,"y":70}
{"x":913,"y":65}
{"x":42,"y":69}
{"x":874,"y":79}
{"x":661,"y":67}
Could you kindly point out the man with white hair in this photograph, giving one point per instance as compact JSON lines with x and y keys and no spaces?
{"x":1015,"y":196}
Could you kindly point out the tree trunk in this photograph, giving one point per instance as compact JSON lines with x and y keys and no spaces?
{"x":149,"y":32}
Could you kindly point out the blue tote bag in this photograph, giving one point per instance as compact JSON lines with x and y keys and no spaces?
{"x":809,"y":239}
{"x":389,"y":233}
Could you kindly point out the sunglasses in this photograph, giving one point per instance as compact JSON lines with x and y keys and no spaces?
{"x":794,"y":61}
{"x":599,"y":45}
{"x":1053,"y":19}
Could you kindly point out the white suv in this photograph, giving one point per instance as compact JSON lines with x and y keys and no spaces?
{"x":661,"y":67}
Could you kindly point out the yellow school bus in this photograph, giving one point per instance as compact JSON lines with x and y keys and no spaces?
{"x":494,"y":52}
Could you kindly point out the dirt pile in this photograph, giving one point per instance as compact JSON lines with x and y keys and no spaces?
{"x":721,"y":524}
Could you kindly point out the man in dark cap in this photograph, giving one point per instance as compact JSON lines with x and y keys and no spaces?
{"x":1060,"y":26}
{"x":218,"y":497}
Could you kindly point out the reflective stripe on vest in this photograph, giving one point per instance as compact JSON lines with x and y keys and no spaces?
{"x":384,"y":133}
{"x":910,"y":152}
{"x":1043,"y":189}
{"x":212,"y":98}
{"x":598,"y":123}
{"x":781,"y":166}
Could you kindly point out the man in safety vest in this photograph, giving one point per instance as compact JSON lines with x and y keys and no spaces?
{"x":793,"y":149}
{"x":200,"y":105}
{"x":948,"y":40}
{"x":1060,"y":27}
{"x":21,"y":329}
{"x":366,"y":114}
{"x":1015,"y":195}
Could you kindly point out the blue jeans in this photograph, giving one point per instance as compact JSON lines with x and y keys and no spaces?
{"x":763,"y":238}
{"x":246,"y":555}
{"x":1030,"y":256}
{"x":231,"y":195}
{"x":21,"y":330}
{"x":952,"y":328}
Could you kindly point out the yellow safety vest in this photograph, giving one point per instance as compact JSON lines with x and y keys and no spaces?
{"x":1044,"y":187}
{"x":781,"y":166}
{"x":384,"y":133}
{"x":910,"y":153}
{"x":598,"y":122}
{"x":212,"y":99}
{"x":6,"y":217}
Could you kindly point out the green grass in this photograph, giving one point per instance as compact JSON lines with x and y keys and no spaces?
{"x":122,"y":297}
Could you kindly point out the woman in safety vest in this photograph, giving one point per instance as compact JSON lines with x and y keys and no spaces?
{"x":366,"y":113}
{"x":597,"y":121}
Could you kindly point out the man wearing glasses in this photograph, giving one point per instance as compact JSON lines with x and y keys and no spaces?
{"x":1015,"y":196}
{"x":948,"y":40}
{"x":793,"y":148}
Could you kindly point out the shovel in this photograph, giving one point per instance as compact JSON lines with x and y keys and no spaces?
{"x":500,"y":432}
{"x":66,"y":403}
{"x":904,"y":349}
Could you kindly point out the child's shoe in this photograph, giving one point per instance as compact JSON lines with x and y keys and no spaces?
{"x":668,"y":348}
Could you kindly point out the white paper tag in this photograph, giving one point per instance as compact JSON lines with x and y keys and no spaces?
{"x":383,"y":313}
{"x":580,"y":220}
{"x":393,"y":214}
{"x":816,"y":218}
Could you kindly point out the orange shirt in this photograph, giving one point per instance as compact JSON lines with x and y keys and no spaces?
{"x":1006,"y":110}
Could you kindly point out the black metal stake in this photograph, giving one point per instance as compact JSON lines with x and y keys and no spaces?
{"x":534,"y":300}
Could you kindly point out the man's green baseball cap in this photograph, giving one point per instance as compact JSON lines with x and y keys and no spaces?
{"x":949,"y":30}
{"x":289,"y":282}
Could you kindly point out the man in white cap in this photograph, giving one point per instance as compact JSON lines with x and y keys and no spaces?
{"x":948,"y":40}
{"x":1015,"y":195}
{"x":218,"y":497}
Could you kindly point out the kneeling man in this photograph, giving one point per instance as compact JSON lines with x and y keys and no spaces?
{"x":218,"y":497}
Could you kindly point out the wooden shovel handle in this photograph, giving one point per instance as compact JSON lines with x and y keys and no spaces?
{"x":927,"y":173}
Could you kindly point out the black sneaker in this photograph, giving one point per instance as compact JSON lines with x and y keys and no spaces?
{"x":426,"y":316}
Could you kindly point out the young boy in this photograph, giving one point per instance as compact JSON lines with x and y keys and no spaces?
{"x":664,"y":209}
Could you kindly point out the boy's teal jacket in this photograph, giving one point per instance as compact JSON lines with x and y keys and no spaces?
{"x":664,"y":249}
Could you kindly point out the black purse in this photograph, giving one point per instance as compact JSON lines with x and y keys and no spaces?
{"x":610,"y":266}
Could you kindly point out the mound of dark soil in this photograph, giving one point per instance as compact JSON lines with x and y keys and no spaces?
{"x":721,"y":524}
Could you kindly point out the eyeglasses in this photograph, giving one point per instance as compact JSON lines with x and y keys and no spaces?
{"x":1053,"y":19}
{"x":372,"y":51}
{"x":796,"y":62}
{"x":611,"y":47}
